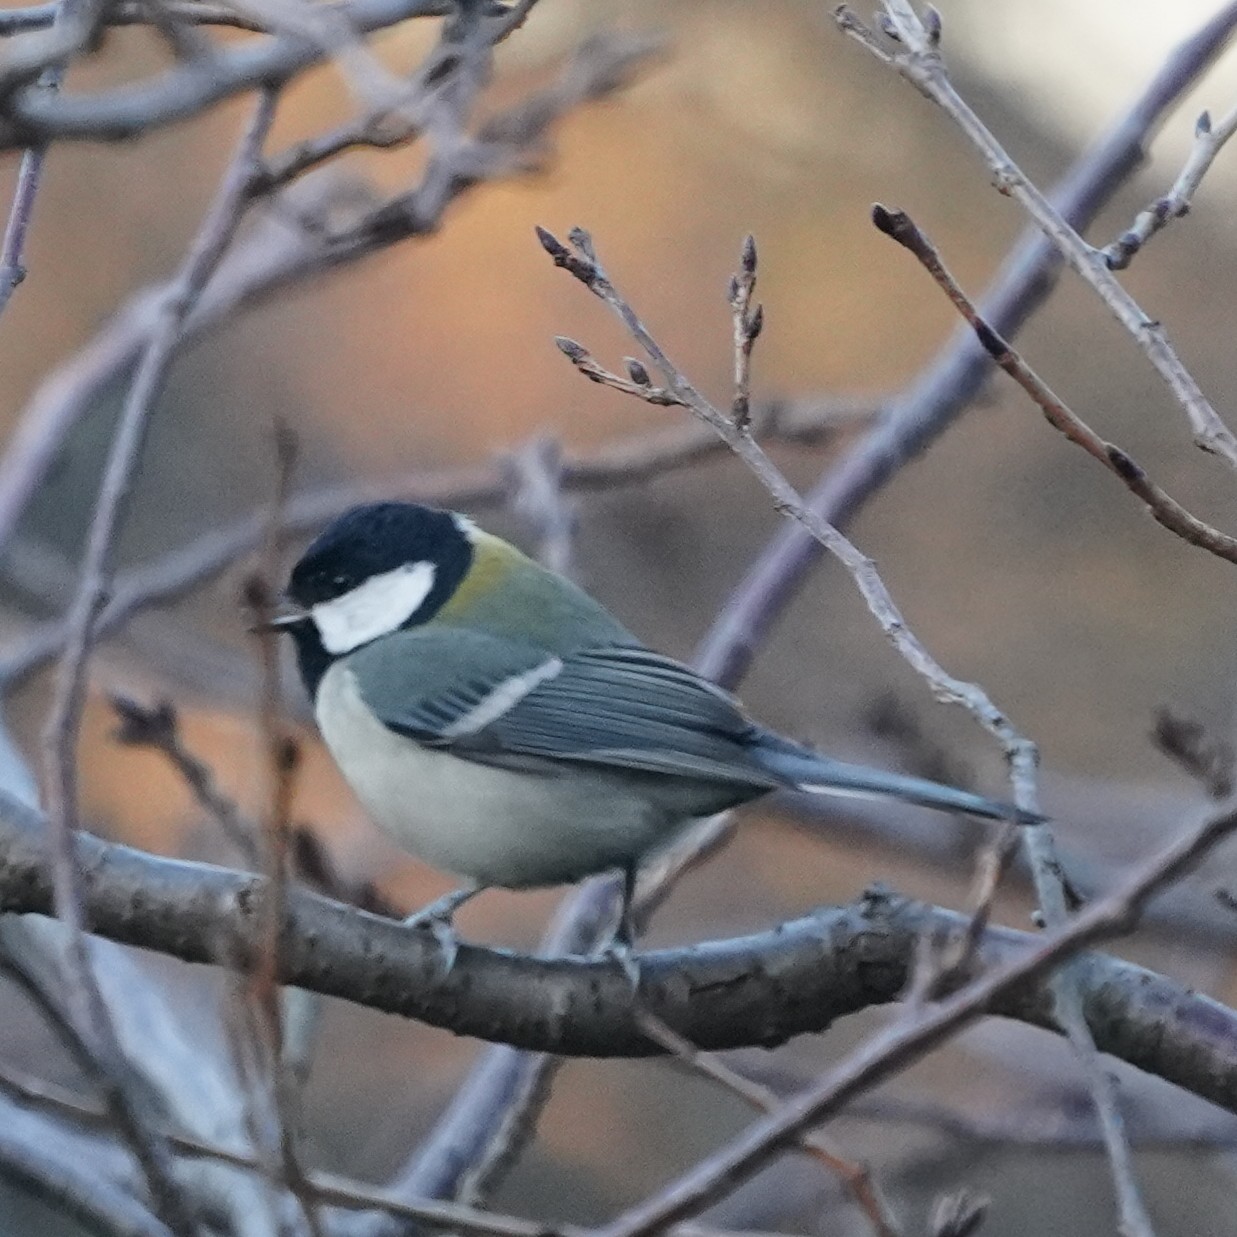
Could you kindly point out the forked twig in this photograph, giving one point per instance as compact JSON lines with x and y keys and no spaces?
{"x":1164,"y":509}
{"x":855,"y":1176}
{"x":917,"y":58}
{"x":1209,"y":140}
{"x":1051,"y":885}
{"x":907,"y":1040}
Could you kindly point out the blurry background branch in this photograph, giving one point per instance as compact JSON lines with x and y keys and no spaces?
{"x":305,"y":226}
{"x":807,"y":423}
{"x":205,"y":78}
{"x":943,"y":389}
{"x":281,"y":252}
{"x":1048,"y":874}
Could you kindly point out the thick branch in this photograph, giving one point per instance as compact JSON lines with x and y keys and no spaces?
{"x":757,"y":990}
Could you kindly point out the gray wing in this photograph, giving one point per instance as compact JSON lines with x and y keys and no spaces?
{"x":622,"y":706}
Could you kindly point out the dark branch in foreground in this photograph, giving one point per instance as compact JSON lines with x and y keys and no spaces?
{"x":757,"y":990}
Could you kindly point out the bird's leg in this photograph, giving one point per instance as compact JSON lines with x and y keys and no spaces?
{"x":437,"y":917}
{"x":623,"y":941}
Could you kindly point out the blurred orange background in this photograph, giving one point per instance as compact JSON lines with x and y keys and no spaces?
{"x":1018,"y":562}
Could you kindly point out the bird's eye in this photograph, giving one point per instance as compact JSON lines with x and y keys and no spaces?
{"x":340,"y":582}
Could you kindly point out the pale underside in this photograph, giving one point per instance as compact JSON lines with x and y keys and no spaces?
{"x":496,"y":825}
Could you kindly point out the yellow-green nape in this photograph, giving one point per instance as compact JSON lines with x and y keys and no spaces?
{"x":493,"y":561}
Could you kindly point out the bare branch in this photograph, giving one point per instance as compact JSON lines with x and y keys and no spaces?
{"x":761,"y":989}
{"x":906,"y":1041}
{"x":1047,"y":870}
{"x":64,"y":719}
{"x":1164,"y":509}
{"x":919,"y":61}
{"x":748,"y":322}
{"x":188,"y":88}
{"x":1209,"y":140}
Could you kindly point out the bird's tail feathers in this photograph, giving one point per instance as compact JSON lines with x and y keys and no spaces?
{"x":822,"y":775}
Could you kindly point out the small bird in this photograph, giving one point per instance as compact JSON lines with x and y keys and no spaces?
{"x":503,"y":726}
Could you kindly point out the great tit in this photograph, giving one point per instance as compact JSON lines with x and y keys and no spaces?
{"x":503,"y":726}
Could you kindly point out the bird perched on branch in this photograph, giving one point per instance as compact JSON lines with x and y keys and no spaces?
{"x":502,"y":725}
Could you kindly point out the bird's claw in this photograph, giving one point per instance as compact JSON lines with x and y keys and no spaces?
{"x":620,"y":952}
{"x":437,"y":919}
{"x":442,"y":930}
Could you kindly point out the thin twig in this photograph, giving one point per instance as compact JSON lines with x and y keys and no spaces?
{"x":905,"y":1042}
{"x":264,"y":1007}
{"x":12,"y":264}
{"x":919,"y":61}
{"x":854,"y":1175}
{"x":1209,"y":140}
{"x":64,"y":14}
{"x":747,"y":327}
{"x":64,"y":718}
{"x":1164,"y":509}
{"x":278,"y":743}
{"x":950,"y":383}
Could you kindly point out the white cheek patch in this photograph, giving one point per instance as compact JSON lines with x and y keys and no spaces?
{"x":381,"y":605}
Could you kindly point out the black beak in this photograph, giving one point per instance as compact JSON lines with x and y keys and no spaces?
{"x":288,"y":615}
